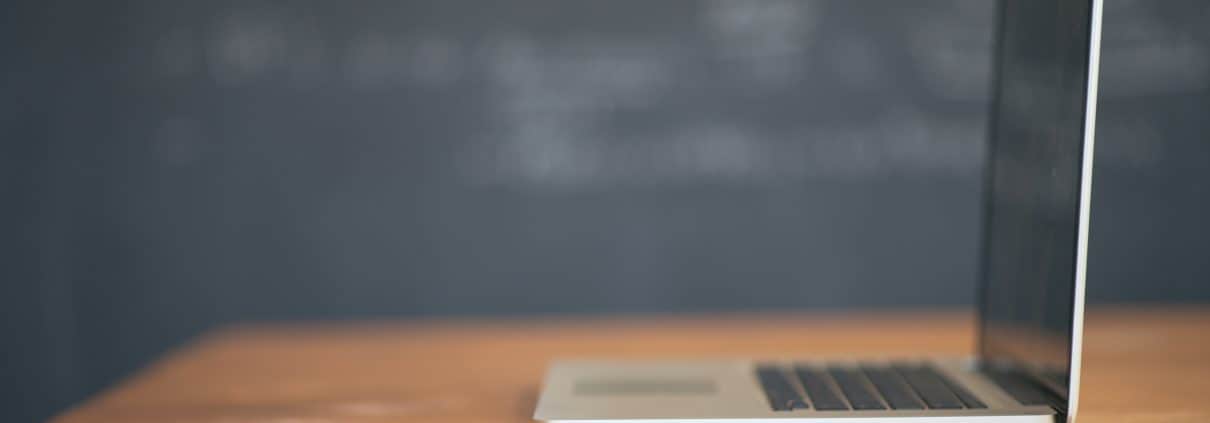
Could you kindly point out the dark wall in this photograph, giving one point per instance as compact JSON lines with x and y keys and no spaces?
{"x":169,"y":167}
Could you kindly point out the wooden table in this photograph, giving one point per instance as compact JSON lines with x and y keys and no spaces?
{"x":1142,"y":365}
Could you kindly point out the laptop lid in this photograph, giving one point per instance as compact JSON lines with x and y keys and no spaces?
{"x":1039,"y":175}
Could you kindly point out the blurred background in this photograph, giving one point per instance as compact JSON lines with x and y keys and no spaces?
{"x":168,"y":167}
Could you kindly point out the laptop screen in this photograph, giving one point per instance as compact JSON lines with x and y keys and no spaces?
{"x":1034,"y":186}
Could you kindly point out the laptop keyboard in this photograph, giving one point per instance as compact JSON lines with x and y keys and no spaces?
{"x":898,"y":394}
{"x":895,"y":387}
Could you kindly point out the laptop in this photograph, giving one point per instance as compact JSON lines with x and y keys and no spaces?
{"x":1031,"y":288}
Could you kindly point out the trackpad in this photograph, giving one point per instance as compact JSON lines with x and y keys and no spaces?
{"x":602,"y":390}
{"x":645,"y":387}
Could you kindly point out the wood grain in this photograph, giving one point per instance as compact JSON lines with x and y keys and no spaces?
{"x":1141,"y":365}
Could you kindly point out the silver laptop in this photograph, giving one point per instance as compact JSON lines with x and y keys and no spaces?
{"x":1031,"y":296}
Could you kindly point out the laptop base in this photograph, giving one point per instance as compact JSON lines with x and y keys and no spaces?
{"x":817,"y":391}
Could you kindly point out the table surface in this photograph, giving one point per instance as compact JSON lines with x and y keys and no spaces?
{"x":1141,"y":365}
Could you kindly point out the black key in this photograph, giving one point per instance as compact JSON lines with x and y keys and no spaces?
{"x":819,"y":390}
{"x":781,"y":394}
{"x":893,"y":388}
{"x":964,"y":395}
{"x":853,"y":385}
{"x":930,"y":387}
